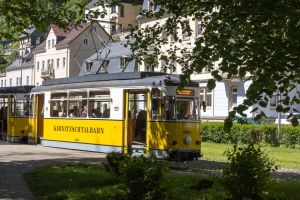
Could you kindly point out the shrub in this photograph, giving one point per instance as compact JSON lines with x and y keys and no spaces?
{"x":112,"y":163}
{"x":288,"y":136}
{"x":144,"y":177}
{"x":249,"y":172}
{"x":141,"y":177}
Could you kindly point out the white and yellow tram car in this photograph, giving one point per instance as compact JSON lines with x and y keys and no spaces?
{"x":14,"y":113}
{"x":120,"y":112}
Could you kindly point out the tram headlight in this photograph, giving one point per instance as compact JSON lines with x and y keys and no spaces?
{"x":174,"y":142}
{"x":198,"y":142}
{"x":188,"y":140}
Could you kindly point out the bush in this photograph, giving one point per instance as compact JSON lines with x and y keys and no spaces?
{"x":144,"y":177}
{"x":288,"y":136}
{"x":141,"y":177}
{"x":249,"y":172}
{"x":112,"y":163}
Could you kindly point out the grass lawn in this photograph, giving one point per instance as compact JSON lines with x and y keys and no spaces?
{"x":284,"y":157}
{"x":87,"y":181}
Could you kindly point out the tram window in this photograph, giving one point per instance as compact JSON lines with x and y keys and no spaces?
{"x":99,"y":104}
{"x":31,"y":106}
{"x":169,"y":108}
{"x":77,"y":101}
{"x":157,"y":105}
{"x":186,"y":109}
{"x":19,"y":108}
{"x":58,"y":101}
{"x":137,"y":102}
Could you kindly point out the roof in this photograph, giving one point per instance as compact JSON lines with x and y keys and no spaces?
{"x":13,"y":65}
{"x":32,"y":32}
{"x":74,"y":32}
{"x":16,"y":89}
{"x":112,"y":52}
{"x":41,"y":46}
{"x":58,"y":31}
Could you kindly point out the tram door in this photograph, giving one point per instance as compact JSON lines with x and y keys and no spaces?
{"x":40,"y":117}
{"x":137,"y":119}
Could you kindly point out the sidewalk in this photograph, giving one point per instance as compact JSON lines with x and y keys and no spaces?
{"x":16,"y":159}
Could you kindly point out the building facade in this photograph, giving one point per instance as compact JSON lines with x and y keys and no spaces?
{"x":62,"y":53}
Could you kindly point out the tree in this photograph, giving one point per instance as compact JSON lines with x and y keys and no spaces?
{"x":256,"y":39}
{"x":18,"y":15}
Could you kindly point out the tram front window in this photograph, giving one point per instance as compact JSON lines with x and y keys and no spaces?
{"x":186,"y":109}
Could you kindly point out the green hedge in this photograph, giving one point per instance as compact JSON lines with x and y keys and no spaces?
{"x":288,"y":136}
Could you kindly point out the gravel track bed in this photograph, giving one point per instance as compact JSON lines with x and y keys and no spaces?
{"x":208,"y":168}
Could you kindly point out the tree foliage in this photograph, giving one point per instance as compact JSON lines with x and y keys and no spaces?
{"x":256,"y":40}
{"x":18,"y":15}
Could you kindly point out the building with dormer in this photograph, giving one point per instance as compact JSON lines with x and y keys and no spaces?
{"x":119,"y":19}
{"x":62,"y":52}
{"x":21,"y":71}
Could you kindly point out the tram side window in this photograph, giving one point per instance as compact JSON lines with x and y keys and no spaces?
{"x":99,"y":104}
{"x":157,"y":105}
{"x":58,"y":104}
{"x":77,"y":102}
{"x":169,"y":108}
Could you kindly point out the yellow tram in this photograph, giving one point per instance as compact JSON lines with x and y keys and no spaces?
{"x":138,"y":111}
{"x":14,"y":113}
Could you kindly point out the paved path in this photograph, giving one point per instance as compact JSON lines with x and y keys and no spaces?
{"x":16,"y":159}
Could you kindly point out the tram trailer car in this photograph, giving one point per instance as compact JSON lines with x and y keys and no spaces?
{"x":126,"y":112}
{"x":15,"y":124}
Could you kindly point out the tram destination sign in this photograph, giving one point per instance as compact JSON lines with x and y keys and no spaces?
{"x":185,"y":92}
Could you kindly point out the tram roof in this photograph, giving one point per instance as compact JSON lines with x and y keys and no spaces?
{"x":127,"y":79}
{"x":16,"y":89}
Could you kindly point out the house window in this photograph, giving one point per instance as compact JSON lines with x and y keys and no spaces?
{"x":122,"y":11}
{"x":10,"y":82}
{"x":5,"y":83}
{"x":17,"y":81}
{"x":1,"y":83}
{"x":64,"y":62}
{"x":27,"y":80}
{"x":185,"y":29}
{"x":48,"y":63}
{"x":113,"y":9}
{"x":38,"y":66}
{"x":86,"y":42}
{"x":198,"y":27}
{"x":43,"y":65}
{"x":130,"y":26}
{"x":208,"y":98}
{"x":174,"y":35}
{"x":105,"y":64}
{"x":202,"y":93}
{"x":165,"y":35}
{"x":113,"y":29}
{"x":48,"y":44}
{"x":88,"y":66}
{"x":57,"y":63}
{"x":52,"y":43}
{"x":173,"y":69}
{"x":273,"y":100}
{"x":123,"y":62}
{"x":234,"y":97}
{"x":164,"y":66}
{"x":52,"y":63}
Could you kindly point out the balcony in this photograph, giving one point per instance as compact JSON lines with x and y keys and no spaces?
{"x":47,"y":74}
